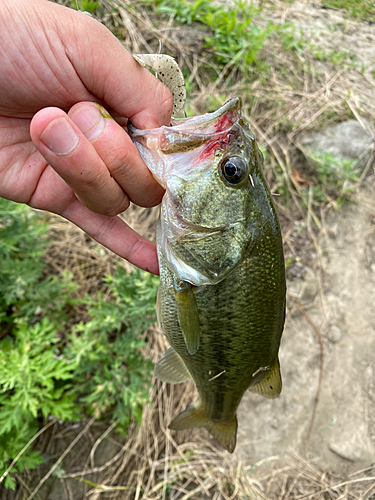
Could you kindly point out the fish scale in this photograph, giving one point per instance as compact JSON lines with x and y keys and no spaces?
{"x":222,"y":276}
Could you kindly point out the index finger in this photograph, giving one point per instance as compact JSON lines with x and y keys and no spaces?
{"x":116,"y":235}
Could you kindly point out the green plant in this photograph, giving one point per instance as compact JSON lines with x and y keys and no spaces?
{"x":25,"y":292}
{"x":235,"y":37}
{"x":11,"y":443}
{"x":84,"y":5}
{"x":111,"y":373}
{"x":32,"y":374}
{"x":32,"y":309}
{"x":50,"y":368}
{"x":290,"y":38}
{"x":337,"y":179}
{"x":33,"y":380}
{"x":364,"y":10}
{"x":336,"y":57}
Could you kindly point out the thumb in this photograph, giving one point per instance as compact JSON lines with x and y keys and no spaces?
{"x":109,"y":72}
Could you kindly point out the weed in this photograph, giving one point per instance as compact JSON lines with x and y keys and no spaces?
{"x":84,"y":5}
{"x":235,"y":37}
{"x":336,"y":178}
{"x":336,"y":57}
{"x":290,"y":38}
{"x":95,"y":368}
{"x":24,"y":293}
{"x":364,"y":10}
{"x":111,"y":374}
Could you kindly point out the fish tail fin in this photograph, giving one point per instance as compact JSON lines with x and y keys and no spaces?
{"x":192,"y":417}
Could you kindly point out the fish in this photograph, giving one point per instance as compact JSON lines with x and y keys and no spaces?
{"x":221,"y":299}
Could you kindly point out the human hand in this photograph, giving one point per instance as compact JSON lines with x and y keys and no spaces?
{"x":59,"y":150}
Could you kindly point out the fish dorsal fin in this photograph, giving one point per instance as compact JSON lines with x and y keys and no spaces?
{"x":170,"y":368}
{"x":270,"y":386}
{"x":188,"y":315}
{"x":224,"y":432}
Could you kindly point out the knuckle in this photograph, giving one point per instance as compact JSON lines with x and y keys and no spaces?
{"x":117,"y":209}
{"x":118,"y":161}
{"x":105,"y":228}
{"x":114,"y":208}
{"x":137,"y":247}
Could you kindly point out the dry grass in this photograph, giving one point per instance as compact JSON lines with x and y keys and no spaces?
{"x":152,"y":463}
{"x":155,"y":463}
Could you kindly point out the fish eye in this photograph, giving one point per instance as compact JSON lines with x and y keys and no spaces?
{"x":234,"y":170}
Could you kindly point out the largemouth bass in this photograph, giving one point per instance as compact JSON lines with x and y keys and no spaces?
{"x":222,"y":288}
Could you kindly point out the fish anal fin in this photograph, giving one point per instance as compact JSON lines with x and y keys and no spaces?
{"x":188,"y":315}
{"x":193,"y":417}
{"x":270,"y":386}
{"x":170,"y":368}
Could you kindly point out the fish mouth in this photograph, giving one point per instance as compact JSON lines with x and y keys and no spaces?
{"x":230,"y":107}
{"x":186,"y":134}
{"x":194,"y":139}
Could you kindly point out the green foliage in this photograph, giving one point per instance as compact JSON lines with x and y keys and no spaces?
{"x":111,"y":372}
{"x":23,"y":292}
{"x":84,"y":5}
{"x":336,"y":57}
{"x":337,"y":179}
{"x":235,"y":37}
{"x":48,"y":368}
{"x":30,"y":373}
{"x":364,"y":10}
{"x":292,"y":40}
{"x":32,"y":309}
{"x":11,"y":443}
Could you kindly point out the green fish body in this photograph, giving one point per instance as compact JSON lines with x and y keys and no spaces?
{"x":222,"y":288}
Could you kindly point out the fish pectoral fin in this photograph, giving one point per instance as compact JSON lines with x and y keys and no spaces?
{"x":270,"y":386}
{"x":192,"y":417}
{"x":188,"y":315}
{"x":170,"y":368}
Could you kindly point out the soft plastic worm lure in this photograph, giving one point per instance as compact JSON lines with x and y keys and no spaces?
{"x":168,"y":73}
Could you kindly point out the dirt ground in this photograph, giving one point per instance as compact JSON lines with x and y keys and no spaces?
{"x":327,"y":407}
{"x":337,"y":292}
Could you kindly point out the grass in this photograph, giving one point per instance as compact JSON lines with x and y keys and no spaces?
{"x":337,"y":179}
{"x":84,"y":5}
{"x":337,"y":57}
{"x":363,"y":10}
{"x":232,"y":34}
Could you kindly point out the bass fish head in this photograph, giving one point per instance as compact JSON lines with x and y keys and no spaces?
{"x":211,"y":169}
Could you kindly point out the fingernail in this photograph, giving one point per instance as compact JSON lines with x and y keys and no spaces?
{"x":59,"y":137}
{"x":89,"y":120}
